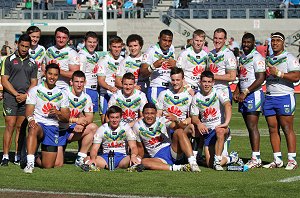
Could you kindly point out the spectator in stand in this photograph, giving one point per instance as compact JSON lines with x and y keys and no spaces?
{"x":262,"y":49}
{"x":80,"y":45}
{"x":295,"y":3}
{"x":234,"y":47}
{"x":6,"y":49}
{"x":285,"y":4}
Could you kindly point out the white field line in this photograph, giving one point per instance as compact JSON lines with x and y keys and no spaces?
{"x":290,"y":179}
{"x":71,"y":193}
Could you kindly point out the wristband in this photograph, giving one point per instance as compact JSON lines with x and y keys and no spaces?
{"x":246,"y":91}
{"x":279,"y":74}
{"x":30,"y":118}
{"x":150,"y":68}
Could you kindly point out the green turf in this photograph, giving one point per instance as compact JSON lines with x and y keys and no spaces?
{"x":209,"y":183}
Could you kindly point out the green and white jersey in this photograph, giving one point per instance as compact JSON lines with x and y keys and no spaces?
{"x":160,"y":77}
{"x":114,"y":140}
{"x":108,"y":67}
{"x":193,"y":64}
{"x":253,"y":63}
{"x":175,"y":103}
{"x":77,"y":105}
{"x":154,"y":137}
{"x":210,"y":108}
{"x":44,"y":99}
{"x":89,"y":65}
{"x":131,"y":105}
{"x":284,"y":62}
{"x":38,"y":55}
{"x":220,"y":62}
{"x":131,"y":65}
{"x":64,"y":57}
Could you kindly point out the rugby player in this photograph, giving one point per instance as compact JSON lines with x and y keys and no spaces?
{"x":46,"y":105}
{"x":249,"y":94}
{"x":283,"y":70}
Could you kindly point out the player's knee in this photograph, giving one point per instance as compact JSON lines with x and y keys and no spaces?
{"x":220,"y":132}
{"x":92,"y":128}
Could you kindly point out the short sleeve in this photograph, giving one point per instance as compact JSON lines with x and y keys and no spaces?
{"x":160,"y":100}
{"x":130,"y":135}
{"x":231,"y":63}
{"x":65,"y":101}
{"x":260,"y":65}
{"x":74,"y":58}
{"x":194,"y":110}
{"x":6,"y":67}
{"x":293,"y":64}
{"x":148,"y":57}
{"x":102,"y":63}
{"x":89,"y":106}
{"x":136,"y":131}
{"x":31,"y":96}
{"x":98,"y":137}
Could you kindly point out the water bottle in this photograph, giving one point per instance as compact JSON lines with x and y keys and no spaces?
{"x":111,"y":160}
{"x":238,"y":168}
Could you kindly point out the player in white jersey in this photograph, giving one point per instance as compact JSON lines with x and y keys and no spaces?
{"x":114,"y":136}
{"x":46,"y":105}
{"x":174,"y":103}
{"x":283,"y":70}
{"x":222,"y":62}
{"x":249,"y":93}
{"x":157,"y":63}
{"x":206,"y":112}
{"x":129,"y":99}
{"x":193,"y":60}
{"x":89,"y":65}
{"x":66,"y":58}
{"x":36,"y":52}
{"x":80,"y":126}
{"x":132,"y":63}
{"x":152,"y":134}
{"x":108,"y":66}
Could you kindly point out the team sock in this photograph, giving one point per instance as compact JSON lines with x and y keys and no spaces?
{"x":175,"y":167}
{"x":30,"y":159}
{"x":79,"y":154}
{"x":292,"y":156}
{"x":256,"y":155}
{"x":5,"y":156}
{"x":277,"y":157}
{"x":192,"y":160}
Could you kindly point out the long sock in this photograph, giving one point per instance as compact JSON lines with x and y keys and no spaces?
{"x":30,"y":159}
{"x":5,"y":156}
{"x":81,"y":154}
{"x":192,"y":160}
{"x":277,"y":157}
{"x":175,"y":167}
{"x":292,"y":156}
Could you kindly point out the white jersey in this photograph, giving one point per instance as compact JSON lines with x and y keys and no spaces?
{"x":160,"y":77}
{"x":220,"y":62}
{"x":114,"y":140}
{"x":285,"y":62}
{"x":253,"y":63}
{"x":89,"y":65}
{"x":193,"y":64}
{"x":131,"y":65}
{"x":38,"y":55}
{"x":77,"y":105}
{"x":64,"y":57}
{"x":154,"y":137}
{"x":209,"y":108}
{"x":43,"y":99}
{"x":108,"y":67}
{"x":131,"y":105}
{"x":175,"y":103}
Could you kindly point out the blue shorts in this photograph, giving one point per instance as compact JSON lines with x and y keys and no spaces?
{"x":104,"y":103}
{"x":118,"y":158}
{"x":94,"y":96}
{"x":253,"y":102}
{"x":279,"y":105}
{"x":210,"y":138}
{"x":153,"y":93}
{"x":64,"y":135}
{"x":166,"y":155}
{"x":50,"y":135}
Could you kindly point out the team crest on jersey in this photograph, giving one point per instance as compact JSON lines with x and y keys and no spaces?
{"x":145,"y":57}
{"x":286,"y":109}
{"x":250,"y":106}
{"x":175,"y":110}
{"x":210,"y":112}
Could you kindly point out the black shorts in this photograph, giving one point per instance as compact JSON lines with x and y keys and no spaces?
{"x":11,"y":107}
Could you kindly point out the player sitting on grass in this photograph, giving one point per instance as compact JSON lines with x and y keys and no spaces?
{"x":80,"y":126}
{"x":46,"y":105}
{"x":207,"y":116}
{"x":152,"y":132}
{"x":114,"y":136}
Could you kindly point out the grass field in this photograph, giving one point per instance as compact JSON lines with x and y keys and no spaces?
{"x":209,"y":183}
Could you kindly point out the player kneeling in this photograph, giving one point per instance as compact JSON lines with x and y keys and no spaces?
{"x":80,"y":126}
{"x":210,"y":106}
{"x":114,"y":136}
{"x":152,"y":132}
{"x":46,"y":105}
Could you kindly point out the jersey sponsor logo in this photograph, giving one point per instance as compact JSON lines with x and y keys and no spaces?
{"x":198,"y":70}
{"x":95,"y":70}
{"x":74,"y":113}
{"x":155,"y":140}
{"x":268,"y":72}
{"x":164,"y":65}
{"x":46,"y":108}
{"x":136,"y":73}
{"x":54,"y":61}
{"x":116,"y":144}
{"x":128,"y":114}
{"x":243,"y":71}
{"x":175,"y":110}
{"x":213,"y":68}
{"x":210,"y":112}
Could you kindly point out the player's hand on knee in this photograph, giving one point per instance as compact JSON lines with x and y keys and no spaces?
{"x":202,"y":129}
